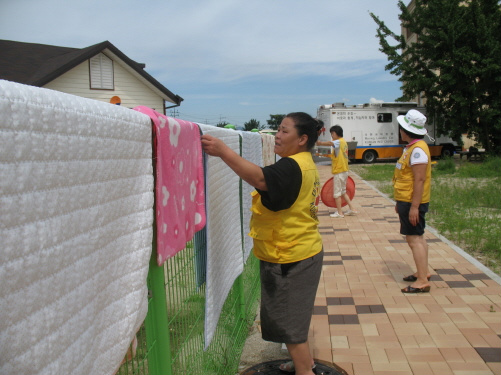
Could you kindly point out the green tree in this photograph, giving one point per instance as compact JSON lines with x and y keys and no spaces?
{"x":455,"y":64}
{"x":222,"y":124}
{"x":275,"y":121}
{"x":252,"y":124}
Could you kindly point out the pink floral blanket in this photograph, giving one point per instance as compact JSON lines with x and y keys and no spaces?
{"x":180,"y":195}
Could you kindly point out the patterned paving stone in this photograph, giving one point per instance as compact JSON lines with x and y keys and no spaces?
{"x":490,"y":354}
{"x":366,"y":325}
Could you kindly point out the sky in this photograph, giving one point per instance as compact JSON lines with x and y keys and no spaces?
{"x":230,"y":60}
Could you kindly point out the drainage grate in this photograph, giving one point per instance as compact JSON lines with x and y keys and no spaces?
{"x":271,"y":368}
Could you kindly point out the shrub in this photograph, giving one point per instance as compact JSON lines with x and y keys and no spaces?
{"x":446,"y":166}
{"x":491,"y":167}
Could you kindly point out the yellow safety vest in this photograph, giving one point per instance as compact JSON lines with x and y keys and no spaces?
{"x":403,"y":177}
{"x":289,"y":235}
{"x":340,"y":163}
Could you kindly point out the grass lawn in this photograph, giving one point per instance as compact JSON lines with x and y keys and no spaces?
{"x":465,"y":204}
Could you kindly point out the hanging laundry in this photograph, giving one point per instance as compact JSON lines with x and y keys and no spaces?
{"x":76,"y":212}
{"x":252,"y":150}
{"x":268,"y":149}
{"x":200,"y":246}
{"x":224,"y":229}
{"x":180,"y":199}
{"x":200,"y":258}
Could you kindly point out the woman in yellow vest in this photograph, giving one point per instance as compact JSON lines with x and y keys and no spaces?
{"x":284,"y":227}
{"x":412,"y":185}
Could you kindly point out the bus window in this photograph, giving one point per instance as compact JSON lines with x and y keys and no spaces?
{"x":384,"y":117}
{"x":400,"y":140}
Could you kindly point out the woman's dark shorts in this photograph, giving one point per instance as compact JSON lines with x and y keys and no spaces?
{"x":406,"y":228}
{"x":287,"y":298}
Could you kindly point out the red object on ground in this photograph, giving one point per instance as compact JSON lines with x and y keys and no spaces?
{"x":326,"y":194}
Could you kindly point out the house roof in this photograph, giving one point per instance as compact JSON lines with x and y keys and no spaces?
{"x":38,"y":64}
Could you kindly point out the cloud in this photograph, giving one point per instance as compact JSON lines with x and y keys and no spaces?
{"x":228,"y":73}
{"x":228,"y":56}
{"x":220,"y":39}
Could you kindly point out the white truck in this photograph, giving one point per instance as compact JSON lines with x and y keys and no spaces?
{"x":371,"y":130}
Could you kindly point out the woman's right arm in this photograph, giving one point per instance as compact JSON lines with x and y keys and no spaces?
{"x":419,"y":171}
{"x":247,"y":171}
{"x":321,"y":143}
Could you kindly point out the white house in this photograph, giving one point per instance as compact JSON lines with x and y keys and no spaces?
{"x":101,"y":72}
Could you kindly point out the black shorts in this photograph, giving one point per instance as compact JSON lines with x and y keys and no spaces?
{"x":287,"y":297}
{"x":406,"y":228}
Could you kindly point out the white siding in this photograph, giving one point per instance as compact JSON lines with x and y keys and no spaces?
{"x":130,"y":89}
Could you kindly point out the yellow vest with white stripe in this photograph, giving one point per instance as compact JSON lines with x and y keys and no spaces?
{"x":289,"y":235}
{"x":340,"y":162}
{"x":403,"y":177}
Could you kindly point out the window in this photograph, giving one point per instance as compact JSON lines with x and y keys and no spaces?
{"x":384,"y":117}
{"x":101,"y":72}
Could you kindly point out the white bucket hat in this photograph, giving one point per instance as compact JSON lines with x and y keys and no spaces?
{"x":413,"y":122}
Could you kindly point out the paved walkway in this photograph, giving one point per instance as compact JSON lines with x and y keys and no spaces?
{"x":364,"y":324}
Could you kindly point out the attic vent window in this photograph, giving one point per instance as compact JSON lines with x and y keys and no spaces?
{"x":101,"y":72}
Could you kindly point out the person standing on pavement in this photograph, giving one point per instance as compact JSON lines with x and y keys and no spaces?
{"x":284,"y":228}
{"x":412,"y":187}
{"x":339,"y":170}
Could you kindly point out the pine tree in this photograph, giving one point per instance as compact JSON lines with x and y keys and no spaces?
{"x":252,"y":124}
{"x":455,"y":64}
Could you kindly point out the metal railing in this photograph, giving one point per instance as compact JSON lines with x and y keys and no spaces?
{"x":171,"y":340}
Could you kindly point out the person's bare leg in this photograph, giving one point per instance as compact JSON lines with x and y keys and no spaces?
{"x":303,"y":361}
{"x":338,"y":205}
{"x":348,"y":200}
{"x":419,"y":249}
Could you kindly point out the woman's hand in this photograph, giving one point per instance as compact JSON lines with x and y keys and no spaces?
{"x":247,"y":171}
{"x":414,"y":215}
{"x":212,"y":145}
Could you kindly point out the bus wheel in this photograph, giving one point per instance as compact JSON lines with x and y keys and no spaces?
{"x":369,"y":156}
{"x":447,"y":152}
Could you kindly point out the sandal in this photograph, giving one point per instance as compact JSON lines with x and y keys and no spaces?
{"x":289,"y":367}
{"x":413,"y":278}
{"x":410,"y":289}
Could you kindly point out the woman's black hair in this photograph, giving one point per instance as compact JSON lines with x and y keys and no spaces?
{"x":412,"y":135}
{"x":305,"y":124}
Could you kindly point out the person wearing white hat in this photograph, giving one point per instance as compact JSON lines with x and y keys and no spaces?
{"x":412,"y":186}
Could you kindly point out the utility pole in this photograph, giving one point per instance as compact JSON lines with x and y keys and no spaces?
{"x":174,"y":112}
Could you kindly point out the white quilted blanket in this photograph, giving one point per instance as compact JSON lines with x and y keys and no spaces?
{"x":224,"y":231}
{"x":252,"y":150}
{"x":76,"y":208}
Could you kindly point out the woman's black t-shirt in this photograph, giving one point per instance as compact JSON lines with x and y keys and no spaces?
{"x":283,"y":179}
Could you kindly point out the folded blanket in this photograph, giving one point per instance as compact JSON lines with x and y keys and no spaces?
{"x":180,"y":196}
{"x":76,"y":209}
